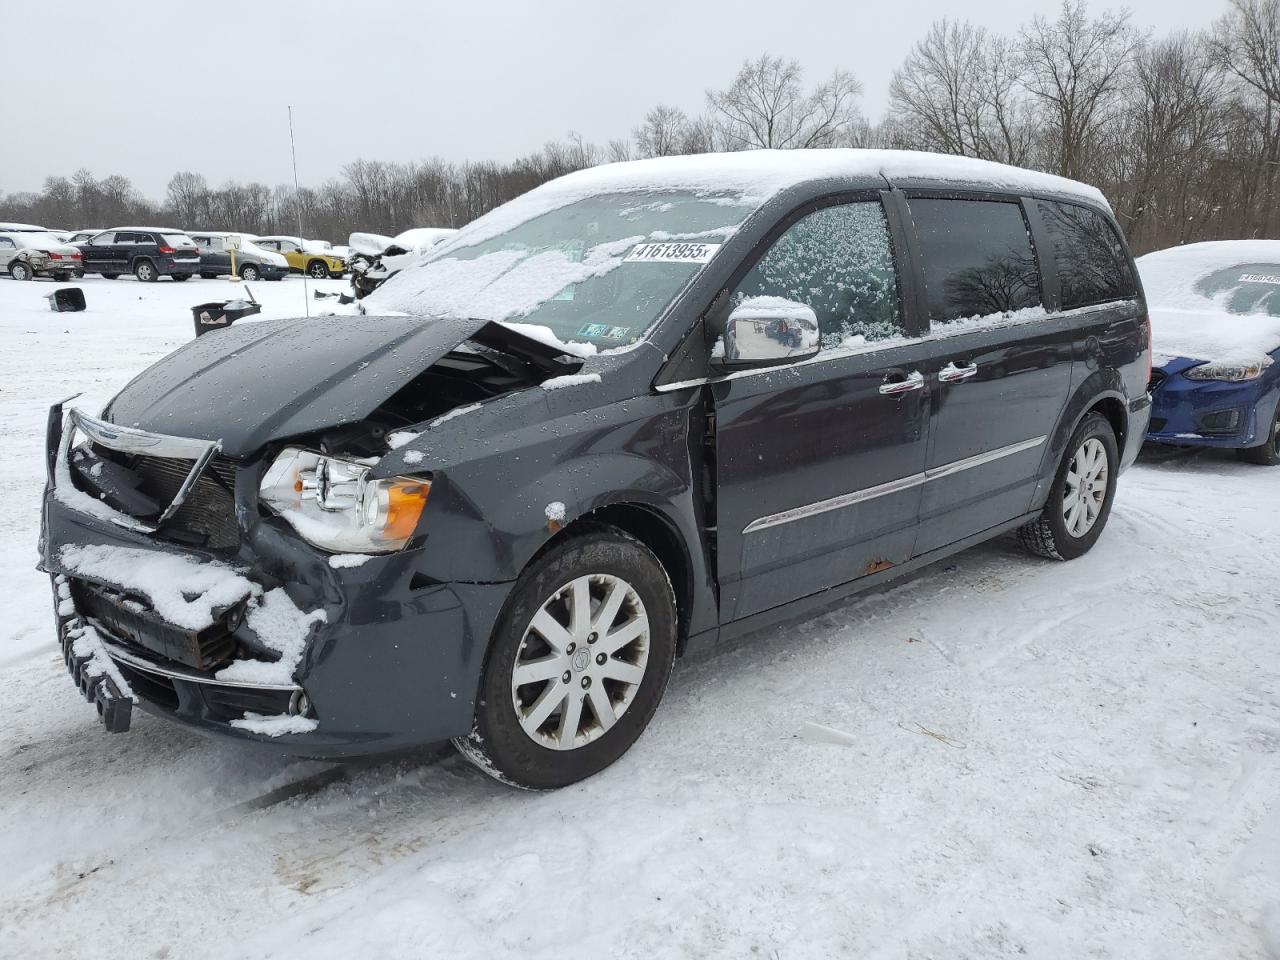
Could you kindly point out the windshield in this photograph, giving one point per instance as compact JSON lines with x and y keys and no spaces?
{"x":600,"y":270}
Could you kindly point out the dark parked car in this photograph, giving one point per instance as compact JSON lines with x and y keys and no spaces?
{"x":656,"y":405}
{"x":252,"y":262}
{"x":149,"y":253}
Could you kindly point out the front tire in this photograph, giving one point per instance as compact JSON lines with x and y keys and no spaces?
{"x":21,"y":271}
{"x":111,"y":276}
{"x":318,"y":270}
{"x":1268,"y":453}
{"x":1080,"y":498}
{"x":597,"y":609}
{"x":249,"y":272}
{"x":145,"y":271}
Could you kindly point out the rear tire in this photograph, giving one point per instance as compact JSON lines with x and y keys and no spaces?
{"x":180,"y":277}
{"x":548,"y":732}
{"x":208,"y":276}
{"x":318,"y":270}
{"x":1265,"y":454}
{"x":249,"y":272}
{"x":1080,"y":498}
{"x":145,"y":271}
{"x":21,"y":271}
{"x":110,"y":276}
{"x":61,"y":276}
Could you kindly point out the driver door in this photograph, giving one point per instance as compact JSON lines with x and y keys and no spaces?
{"x":820,"y":462}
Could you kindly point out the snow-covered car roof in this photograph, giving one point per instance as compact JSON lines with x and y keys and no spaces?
{"x":1218,"y":300}
{"x":151,"y":229}
{"x":751,"y":177}
{"x":22,"y":228}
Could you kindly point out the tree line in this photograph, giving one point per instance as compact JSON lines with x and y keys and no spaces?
{"x":1181,"y":131}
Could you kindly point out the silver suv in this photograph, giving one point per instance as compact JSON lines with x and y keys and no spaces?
{"x":28,"y":251}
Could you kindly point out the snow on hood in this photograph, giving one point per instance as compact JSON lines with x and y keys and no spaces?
{"x":1215,"y":301}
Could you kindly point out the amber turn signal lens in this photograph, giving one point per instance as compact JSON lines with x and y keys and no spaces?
{"x":404,"y":508}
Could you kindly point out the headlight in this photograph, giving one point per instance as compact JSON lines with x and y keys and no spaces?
{"x":1231,"y":372}
{"x":334,"y":505}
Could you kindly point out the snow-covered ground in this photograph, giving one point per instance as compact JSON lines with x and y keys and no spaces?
{"x":1028,"y":758}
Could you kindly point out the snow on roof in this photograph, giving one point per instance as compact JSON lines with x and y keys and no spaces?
{"x":153,"y":229}
{"x":20,"y":227}
{"x":751,"y":177}
{"x":1189,"y":306}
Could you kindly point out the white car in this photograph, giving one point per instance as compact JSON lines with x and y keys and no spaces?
{"x":27,"y":252}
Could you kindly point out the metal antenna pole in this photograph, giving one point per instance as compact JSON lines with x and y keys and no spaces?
{"x":297,"y":206}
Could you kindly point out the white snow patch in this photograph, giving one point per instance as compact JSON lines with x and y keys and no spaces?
{"x":275,"y":726}
{"x":455,"y":412}
{"x":344,"y":561}
{"x":398,"y":439}
{"x":536,"y":331}
{"x":414,"y":456}
{"x":282,"y":627}
{"x":570,"y":380}
{"x":183,"y":591}
{"x":555,"y":511}
{"x":88,"y":643}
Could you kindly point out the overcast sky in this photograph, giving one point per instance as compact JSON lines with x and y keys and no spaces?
{"x":150,"y":90}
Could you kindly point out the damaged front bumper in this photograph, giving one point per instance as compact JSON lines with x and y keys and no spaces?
{"x":394,"y":664}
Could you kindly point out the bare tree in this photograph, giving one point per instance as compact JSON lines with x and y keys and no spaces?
{"x":1246,"y":42}
{"x":662,"y":132}
{"x":1074,"y":67}
{"x":766,"y":107}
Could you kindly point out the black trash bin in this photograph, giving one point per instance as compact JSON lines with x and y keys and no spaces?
{"x":69,"y":299}
{"x":215,"y":316}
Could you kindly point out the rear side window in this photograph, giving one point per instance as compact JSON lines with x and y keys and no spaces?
{"x":1092,"y":264}
{"x":837,"y":261}
{"x":177,"y":239}
{"x":7,"y":244}
{"x":978,"y":258}
{"x":103,"y":239}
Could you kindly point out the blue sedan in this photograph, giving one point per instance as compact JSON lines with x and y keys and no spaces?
{"x":1215,"y":322}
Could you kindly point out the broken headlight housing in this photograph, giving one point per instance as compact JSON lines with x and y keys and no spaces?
{"x":1229,"y":372}
{"x":333,"y":505}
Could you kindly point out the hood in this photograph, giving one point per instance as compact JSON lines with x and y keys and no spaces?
{"x":1211,"y":335}
{"x":251,"y":384}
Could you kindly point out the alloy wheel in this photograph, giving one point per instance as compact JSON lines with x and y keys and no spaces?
{"x":581,"y":661}
{"x":1086,"y":488}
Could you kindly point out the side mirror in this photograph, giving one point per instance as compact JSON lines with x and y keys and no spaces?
{"x":762,"y":331}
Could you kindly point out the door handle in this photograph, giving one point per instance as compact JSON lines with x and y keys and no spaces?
{"x":953,"y":374}
{"x":912,"y":381}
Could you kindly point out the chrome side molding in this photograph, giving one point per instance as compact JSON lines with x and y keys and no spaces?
{"x":892,"y":486}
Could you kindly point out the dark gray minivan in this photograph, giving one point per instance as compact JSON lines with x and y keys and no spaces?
{"x":640,"y":410}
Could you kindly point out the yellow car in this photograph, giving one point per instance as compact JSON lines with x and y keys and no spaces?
{"x":311,"y":257}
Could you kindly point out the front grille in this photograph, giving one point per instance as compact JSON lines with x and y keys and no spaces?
{"x":131,"y":619}
{"x":207,"y":517}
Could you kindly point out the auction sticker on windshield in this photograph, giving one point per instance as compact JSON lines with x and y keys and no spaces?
{"x":673,"y":252}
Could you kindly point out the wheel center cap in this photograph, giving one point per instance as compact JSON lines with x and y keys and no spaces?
{"x":581,"y":659}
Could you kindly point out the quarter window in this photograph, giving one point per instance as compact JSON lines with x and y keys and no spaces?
{"x":7,"y":244}
{"x":838,"y":262}
{"x":1092,"y":264}
{"x":978,"y":258}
